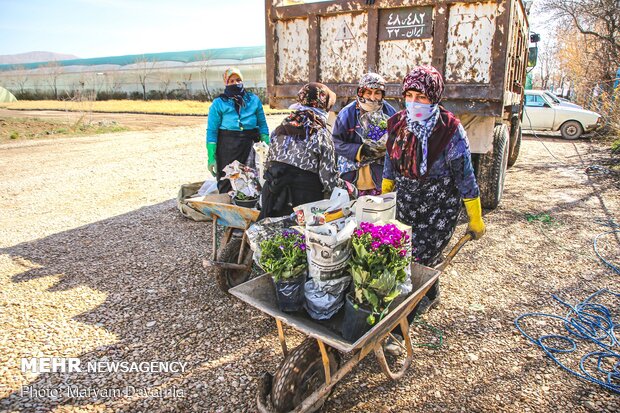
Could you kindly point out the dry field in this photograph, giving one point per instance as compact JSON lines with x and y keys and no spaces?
{"x":96,"y":262}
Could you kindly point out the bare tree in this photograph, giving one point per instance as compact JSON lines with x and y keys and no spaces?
{"x":186,"y":84}
{"x":53,"y":70}
{"x":113,"y":80}
{"x":20,"y":78}
{"x":165,"y":78}
{"x":144,"y":68}
{"x":204,"y":78}
{"x":547,"y":63}
{"x":596,"y":19}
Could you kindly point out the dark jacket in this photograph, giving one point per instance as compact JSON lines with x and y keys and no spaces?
{"x":347,"y":140}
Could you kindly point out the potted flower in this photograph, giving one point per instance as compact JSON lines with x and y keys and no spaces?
{"x":284,"y":257}
{"x":243,"y":200}
{"x":377,"y":266}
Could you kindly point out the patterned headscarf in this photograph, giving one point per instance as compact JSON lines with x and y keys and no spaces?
{"x":371,"y":81}
{"x":305,"y":121}
{"x":231,"y":71}
{"x":316,"y":95}
{"x":425,"y":79}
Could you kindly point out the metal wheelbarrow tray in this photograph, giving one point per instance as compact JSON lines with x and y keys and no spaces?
{"x":259,"y":293}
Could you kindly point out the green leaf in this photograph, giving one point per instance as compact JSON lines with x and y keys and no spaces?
{"x":371,"y":298}
{"x":391,"y":296}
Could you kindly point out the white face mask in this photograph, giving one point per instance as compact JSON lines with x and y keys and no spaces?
{"x":369,"y":105}
{"x":418,"y":112}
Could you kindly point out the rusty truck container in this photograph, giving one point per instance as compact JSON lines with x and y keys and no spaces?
{"x":480,"y":47}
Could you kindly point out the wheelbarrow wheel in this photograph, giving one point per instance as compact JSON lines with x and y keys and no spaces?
{"x":228,"y":278}
{"x":300,"y":374}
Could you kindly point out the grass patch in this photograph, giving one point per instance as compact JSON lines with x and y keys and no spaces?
{"x":542,"y":217}
{"x":161,"y":107}
{"x":35,"y":128}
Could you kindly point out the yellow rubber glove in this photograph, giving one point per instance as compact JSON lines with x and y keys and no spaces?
{"x":387,"y":185}
{"x":474,"y":212}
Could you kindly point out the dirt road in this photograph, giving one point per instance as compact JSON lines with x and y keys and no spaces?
{"x":96,"y":263}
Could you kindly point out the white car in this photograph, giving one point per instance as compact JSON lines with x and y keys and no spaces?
{"x":542,"y":113}
{"x":560,"y":101}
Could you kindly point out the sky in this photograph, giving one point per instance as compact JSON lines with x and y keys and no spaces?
{"x":100,"y":28}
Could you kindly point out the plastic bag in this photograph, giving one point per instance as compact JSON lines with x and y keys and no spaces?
{"x":242,"y":178}
{"x":264,"y":229}
{"x":373,"y":209}
{"x":325,"y":298}
{"x":318,"y":213}
{"x":329,"y":249}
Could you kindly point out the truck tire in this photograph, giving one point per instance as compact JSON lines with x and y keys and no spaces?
{"x":515,"y":142}
{"x":492,"y":168}
{"x":571,"y":130}
{"x":299,"y":375}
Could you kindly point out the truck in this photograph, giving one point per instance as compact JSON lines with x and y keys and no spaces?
{"x":480,"y":47}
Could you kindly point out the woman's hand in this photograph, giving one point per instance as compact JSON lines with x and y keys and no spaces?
{"x":474,"y":212}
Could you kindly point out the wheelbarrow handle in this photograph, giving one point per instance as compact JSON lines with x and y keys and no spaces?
{"x":455,"y":250}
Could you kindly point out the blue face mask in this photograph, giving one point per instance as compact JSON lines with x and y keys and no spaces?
{"x":418,"y":112}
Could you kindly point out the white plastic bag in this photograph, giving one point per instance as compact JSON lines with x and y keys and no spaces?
{"x":329,"y":249}
{"x":314,"y":213}
{"x":373,"y":209}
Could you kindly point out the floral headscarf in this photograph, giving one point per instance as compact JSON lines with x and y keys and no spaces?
{"x":371,"y":81}
{"x":316,"y":95}
{"x":425,"y":79}
{"x":314,"y":100}
{"x":231,"y":71}
{"x":413,"y":146}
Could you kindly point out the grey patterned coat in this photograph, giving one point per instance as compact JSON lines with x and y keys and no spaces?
{"x":314,"y":154}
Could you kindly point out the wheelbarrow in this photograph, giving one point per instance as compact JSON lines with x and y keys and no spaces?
{"x":309,"y":372}
{"x":232,"y":262}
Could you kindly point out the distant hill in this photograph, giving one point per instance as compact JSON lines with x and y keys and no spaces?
{"x":33,"y":57}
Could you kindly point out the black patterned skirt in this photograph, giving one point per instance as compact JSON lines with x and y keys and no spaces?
{"x":432,"y":207}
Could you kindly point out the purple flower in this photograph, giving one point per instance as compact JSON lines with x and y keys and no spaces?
{"x":402,"y":253}
{"x":302,"y":247}
{"x":375,"y":245}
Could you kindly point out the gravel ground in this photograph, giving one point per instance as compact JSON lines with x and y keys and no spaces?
{"x":97,"y":263}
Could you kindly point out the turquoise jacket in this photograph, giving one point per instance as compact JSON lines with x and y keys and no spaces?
{"x":222,"y":115}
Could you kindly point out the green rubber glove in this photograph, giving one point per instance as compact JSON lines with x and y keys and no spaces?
{"x":265,"y":138}
{"x":212,"y":164}
{"x":474,"y":212}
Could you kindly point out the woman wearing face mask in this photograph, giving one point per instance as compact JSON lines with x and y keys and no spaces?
{"x":301,"y":163}
{"x":236,"y":120}
{"x":359,"y":140}
{"x":428,"y":162}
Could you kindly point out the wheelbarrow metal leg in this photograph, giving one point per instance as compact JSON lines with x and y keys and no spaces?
{"x":242,"y":249}
{"x":328,"y":375}
{"x":281,"y":337}
{"x":404,"y":325}
{"x":309,"y":403}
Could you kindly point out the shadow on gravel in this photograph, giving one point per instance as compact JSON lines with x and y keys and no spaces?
{"x":160,"y":305}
